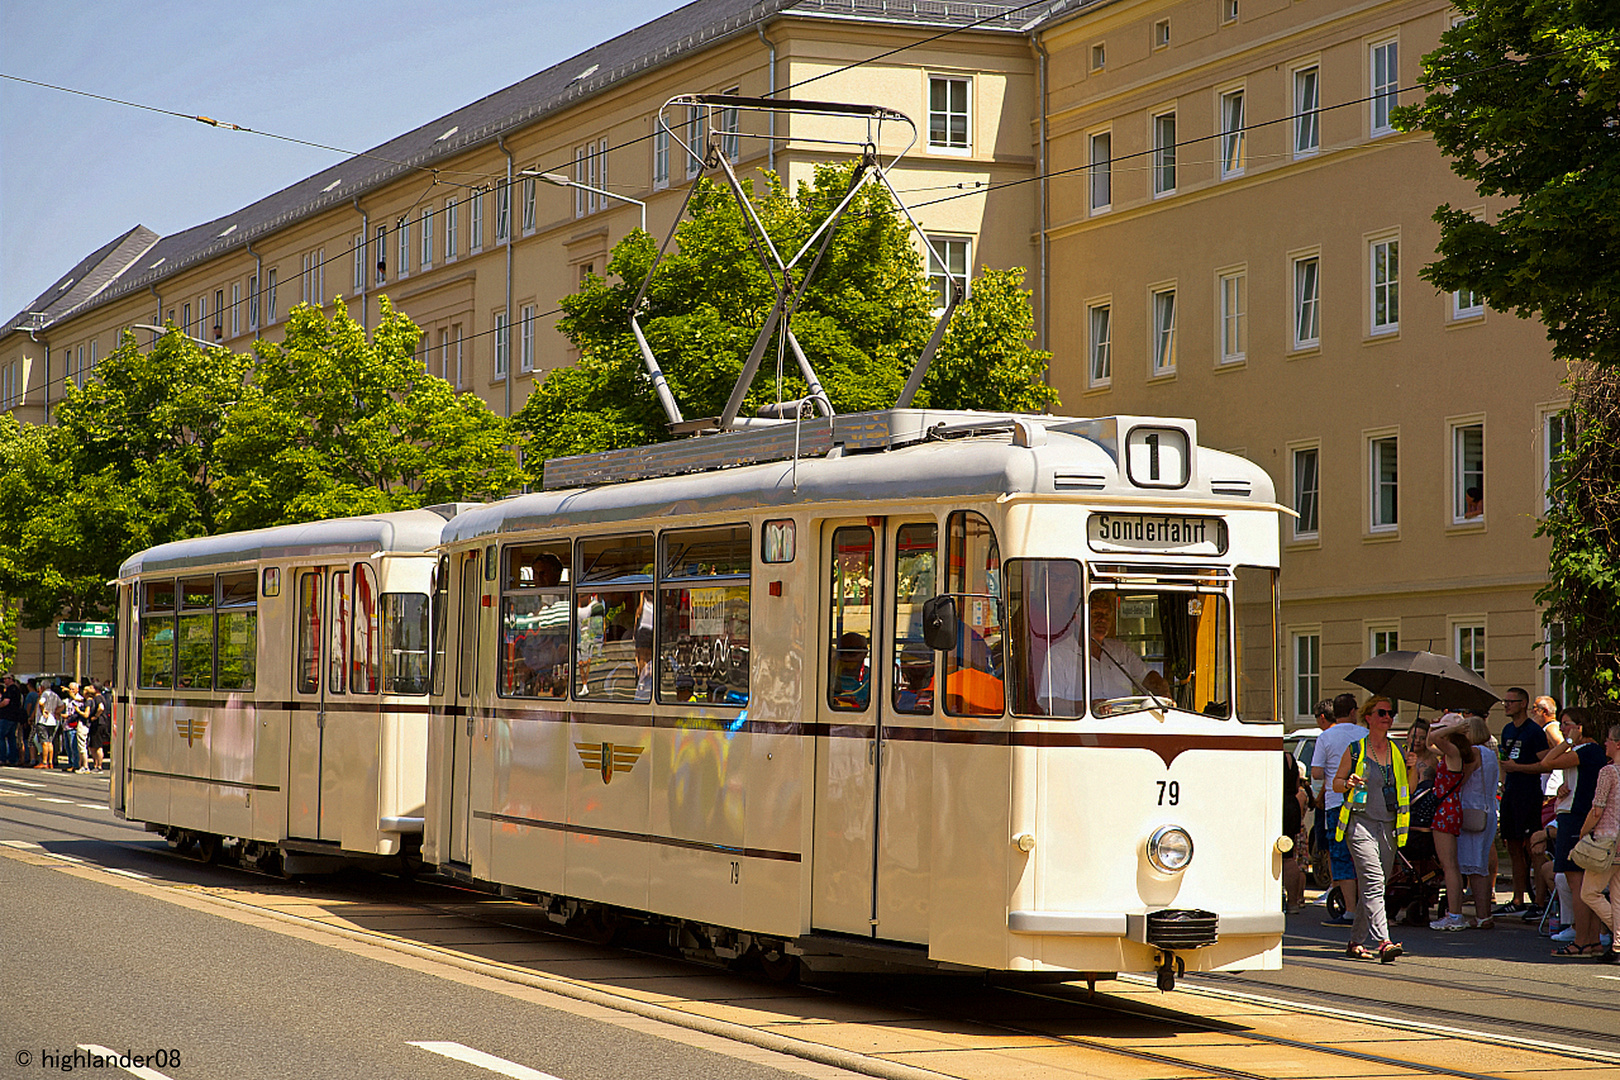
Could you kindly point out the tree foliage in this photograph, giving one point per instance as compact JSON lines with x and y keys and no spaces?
{"x":178,"y":440}
{"x":863,"y":321}
{"x":1583,"y":525}
{"x":1523,"y":100}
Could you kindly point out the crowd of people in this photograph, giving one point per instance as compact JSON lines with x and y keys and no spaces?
{"x":1548,"y":786}
{"x":44,"y":725}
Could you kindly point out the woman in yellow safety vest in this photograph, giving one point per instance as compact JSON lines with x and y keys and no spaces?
{"x":1372,"y":777}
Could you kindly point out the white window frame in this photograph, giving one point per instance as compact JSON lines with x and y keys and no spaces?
{"x":1308,"y":110}
{"x":1100,"y":346}
{"x":1554,"y":672}
{"x":1382,"y":637}
{"x":1383,"y":86}
{"x":1234,"y":130}
{"x":1384,"y":282}
{"x":503,"y":212}
{"x":1306,"y":669}
{"x":1232,"y":315}
{"x":950,"y":146}
{"x":730,"y":134}
{"x":1308,"y":525}
{"x":526,"y":340}
{"x":697,"y":137}
{"x":382,"y":255}
{"x":949,"y":246}
{"x":1229,"y":11}
{"x":270,"y":297}
{"x":358,"y":244}
{"x":1161,"y":34}
{"x":1457,"y":428}
{"x":1100,"y":180}
{"x":253,"y":302}
{"x":1306,"y":308}
{"x":236,"y":309}
{"x":1554,"y":430}
{"x":426,"y":225}
{"x":461,"y":380}
{"x":1162,"y":302}
{"x":661,"y":141}
{"x":1164,"y":153}
{"x":529,"y":186}
{"x":503,"y":345}
{"x":475,"y":221}
{"x":450,"y":209}
{"x":1470,"y":636}
{"x":1099,"y":55}
{"x":1376,"y":443}
{"x":403,"y":227}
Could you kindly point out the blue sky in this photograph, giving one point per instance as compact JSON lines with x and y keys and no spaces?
{"x":75,"y":173}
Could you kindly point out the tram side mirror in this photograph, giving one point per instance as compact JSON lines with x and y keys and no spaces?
{"x":939,"y":623}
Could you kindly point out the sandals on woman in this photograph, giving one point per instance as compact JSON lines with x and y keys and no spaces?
{"x":1358,"y":952}
{"x":1574,"y":950}
{"x":1389,"y":951}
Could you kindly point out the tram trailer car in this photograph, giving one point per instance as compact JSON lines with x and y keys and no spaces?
{"x":707,"y":692}
{"x":277,"y":686}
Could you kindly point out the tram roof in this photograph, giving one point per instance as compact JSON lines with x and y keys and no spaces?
{"x":400,"y":530}
{"x":1068,"y":457}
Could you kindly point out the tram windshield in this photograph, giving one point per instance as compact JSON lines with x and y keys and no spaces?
{"x":1144,"y":646}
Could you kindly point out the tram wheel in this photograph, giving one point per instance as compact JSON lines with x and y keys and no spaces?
{"x":207,"y":848}
{"x":598,"y":925}
{"x":1335,"y":903}
{"x":779,"y":966}
{"x":179,"y":840}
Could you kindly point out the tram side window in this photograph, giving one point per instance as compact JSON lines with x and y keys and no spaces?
{"x":405,"y":643}
{"x":703,"y":640}
{"x":157,"y":635}
{"x":441,"y":619}
{"x":973,"y":670}
{"x":613,"y":593}
{"x":364,"y":642}
{"x":536,"y":617}
{"x":196,"y":633}
{"x":1254,"y":602}
{"x":309,"y":632}
{"x":916,"y":568}
{"x":1043,"y":600}
{"x":1150,"y":644}
{"x":467,"y":631}
{"x":849,"y":632}
{"x":337,"y":652}
{"x":238,"y":626}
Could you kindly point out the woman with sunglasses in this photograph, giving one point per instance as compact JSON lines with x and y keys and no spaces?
{"x":1377,"y":812}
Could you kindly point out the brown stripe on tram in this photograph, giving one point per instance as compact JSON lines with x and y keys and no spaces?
{"x":206,"y":780}
{"x":645,"y":838}
{"x":1168,"y":747}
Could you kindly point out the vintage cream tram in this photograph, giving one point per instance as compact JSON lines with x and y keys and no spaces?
{"x":277,"y":686}
{"x":729,"y":695}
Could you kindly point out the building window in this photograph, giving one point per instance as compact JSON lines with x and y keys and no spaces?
{"x":475,"y":221}
{"x":1232,"y":148}
{"x":1307,"y":302}
{"x":1102,"y":170}
{"x":1161,"y":33}
{"x":1382,"y":639}
{"x":236,"y":308}
{"x":1385,"y":85}
{"x":382,"y":255}
{"x":185,"y":315}
{"x":1467,"y":304}
{"x":1470,"y":642}
{"x":1554,"y":442}
{"x":270,"y":298}
{"x":1229,"y":10}
{"x":1554,"y":682}
{"x":253,"y":302}
{"x":660,"y":154}
{"x":697,"y":137}
{"x":730,"y":128}
{"x":1384,"y":460}
{"x":1101,"y":371}
{"x":526,"y":340}
{"x":1164,"y":331}
{"x":1307,"y":492}
{"x":449,"y":229}
{"x":503,"y":212}
{"x":1386,"y":286}
{"x":202,"y":315}
{"x":1099,"y":56}
{"x":948,"y":114}
{"x":1164,"y":153}
{"x":403,"y":228}
{"x":1234,"y":317}
{"x":1307,"y":674}
{"x":358,"y":247}
{"x":1307,"y":115}
{"x":219,"y":309}
{"x":1467,"y":473}
{"x":503,"y":344}
{"x":427,"y":238}
{"x":528,"y":204}
{"x":957,"y":254}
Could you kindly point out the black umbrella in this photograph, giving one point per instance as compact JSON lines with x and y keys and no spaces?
{"x":1425,"y":678}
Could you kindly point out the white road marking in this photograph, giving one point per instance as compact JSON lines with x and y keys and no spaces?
{"x":93,"y":805}
{"x":127,"y":873}
{"x":484,"y":1061}
{"x":134,"y":1070}
{"x":1616,"y":978}
{"x":48,"y":798}
{"x":20,"y":783}
{"x":19,"y":843}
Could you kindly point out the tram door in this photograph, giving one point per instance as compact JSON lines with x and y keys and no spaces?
{"x":467,"y":624}
{"x":848,"y":746}
{"x":320,"y":632}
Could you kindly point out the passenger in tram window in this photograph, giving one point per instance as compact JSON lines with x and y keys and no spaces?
{"x":852,"y":685}
{"x":1053,"y":616}
{"x":644,"y":657}
{"x":916,"y":694}
{"x":1117,"y":670}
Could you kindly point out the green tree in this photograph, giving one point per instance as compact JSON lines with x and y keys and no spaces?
{"x":1522,"y":100}
{"x":862,"y":322}
{"x":333,"y":424}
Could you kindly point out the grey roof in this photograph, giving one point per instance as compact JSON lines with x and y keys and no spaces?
{"x":88,"y":279}
{"x":688,"y":29}
{"x":400,"y":532}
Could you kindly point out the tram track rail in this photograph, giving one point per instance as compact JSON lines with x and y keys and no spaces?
{"x":962,"y":1009}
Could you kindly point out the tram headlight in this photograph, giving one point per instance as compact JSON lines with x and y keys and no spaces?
{"x":1170,"y":849}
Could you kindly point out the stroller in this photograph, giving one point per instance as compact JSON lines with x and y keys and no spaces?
{"x":1413,"y":887}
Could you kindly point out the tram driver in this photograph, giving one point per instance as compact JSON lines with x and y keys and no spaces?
{"x":1117,"y":670}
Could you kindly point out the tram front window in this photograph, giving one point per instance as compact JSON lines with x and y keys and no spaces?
{"x":1143,"y":648}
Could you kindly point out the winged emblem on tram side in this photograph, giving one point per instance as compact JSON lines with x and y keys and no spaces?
{"x":191,"y":730}
{"x":607,"y":759}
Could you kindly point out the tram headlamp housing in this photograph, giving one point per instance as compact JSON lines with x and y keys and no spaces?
{"x":1170,"y":849}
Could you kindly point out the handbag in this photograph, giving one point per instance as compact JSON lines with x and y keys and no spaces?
{"x":1593,"y":853}
{"x":1473,"y":819}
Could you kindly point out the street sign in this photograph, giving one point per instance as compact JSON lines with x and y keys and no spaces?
{"x":84,"y":629}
